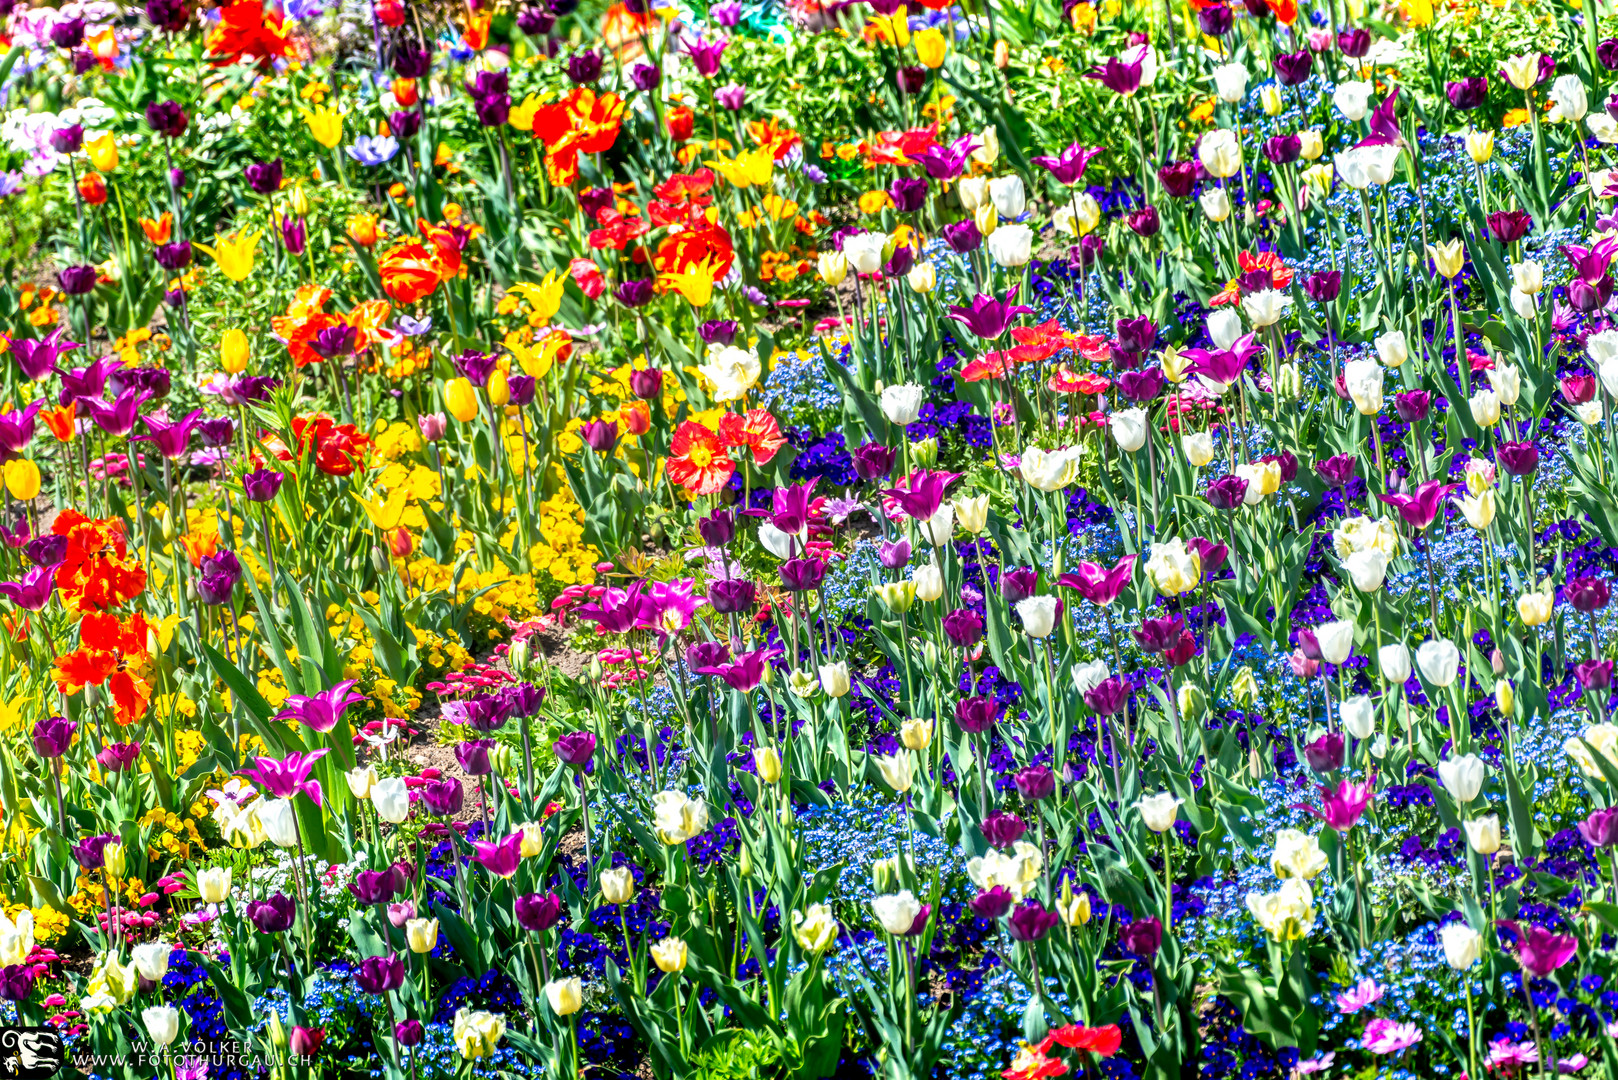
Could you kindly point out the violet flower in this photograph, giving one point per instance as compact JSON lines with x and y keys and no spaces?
{"x":288,"y":776}
{"x":323,"y":710}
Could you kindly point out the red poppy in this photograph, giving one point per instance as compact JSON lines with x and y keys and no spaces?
{"x":337,"y":447}
{"x":1280,"y":275}
{"x":697,"y":460}
{"x":96,"y":572}
{"x":686,"y":248}
{"x":756,"y":429}
{"x":990,"y":365}
{"x":1067,"y":381}
{"x":1103,"y":1041}
{"x":580,"y":123}
{"x":247,"y":30}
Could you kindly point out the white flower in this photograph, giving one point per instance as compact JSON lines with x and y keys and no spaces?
{"x":152,"y":960}
{"x":1363,"y":378}
{"x":733,"y":371}
{"x":1050,"y":470}
{"x":1006,"y":192}
{"x":1230,"y":82}
{"x":1286,"y":914}
{"x":929,"y":581}
{"x":1353,"y":99}
{"x":279,"y":821}
{"x":973,"y":190}
{"x":1590,"y":412}
{"x":1224,"y":327}
{"x":1602,"y":347}
{"x":1394,"y":663}
{"x":1089,"y":675}
{"x":901,"y":404}
{"x":677,"y":817}
{"x":1507,"y":382}
{"x":1462,"y":777}
{"x":1198,"y":447}
{"x":895,"y":770}
{"x":1220,"y":153}
{"x":783,"y":545}
{"x":1528,"y":276}
{"x":1463,"y":946}
{"x":1017,"y":872}
{"x":1485,"y":406}
{"x":896,"y":912}
{"x":1336,"y":640}
{"x":864,"y":251}
{"x":1077,"y":216}
{"x":1215,"y":204}
{"x":1159,"y":811}
{"x":1568,"y":100}
{"x":1391,"y":348}
{"x":1297,"y":855}
{"x":1038,"y":614}
{"x":1011,"y":246}
{"x":1523,"y":304}
{"x":1521,"y":71}
{"x":1128,"y":427}
{"x":1265,"y":307}
{"x":1603,"y":128}
{"x":1596,"y":739}
{"x":1359,"y":716}
{"x":162,"y":1023}
{"x":1483,"y":834}
{"x":1439,"y":661}
{"x":938,"y":528}
{"x":1367,"y":569}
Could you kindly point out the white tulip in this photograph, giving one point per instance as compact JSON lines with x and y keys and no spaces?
{"x":1006,"y":192}
{"x":1364,"y":380}
{"x":901,"y":404}
{"x":1568,"y":100}
{"x":1483,"y":834}
{"x":864,"y":251}
{"x":1011,"y":246}
{"x":1215,"y":204}
{"x":1359,"y":716}
{"x":162,"y":1023}
{"x":1394,"y":662}
{"x":1439,"y":661}
{"x":1463,"y":946}
{"x":1159,"y":811}
{"x":1462,"y":777}
{"x":1088,"y":676}
{"x":279,"y":821}
{"x":1265,"y":307}
{"x":1353,"y":99}
{"x":1336,"y":640}
{"x":896,"y":912}
{"x":1220,"y":153}
{"x":1230,"y":82}
{"x":1367,"y":569}
{"x":1224,"y":327}
{"x":1391,"y":348}
{"x":1038,"y":614}
{"x":1128,"y":427}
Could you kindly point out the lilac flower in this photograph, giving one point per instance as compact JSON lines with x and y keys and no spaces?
{"x":119,"y":417}
{"x":1362,"y":996}
{"x":705,"y":55}
{"x":1384,"y":1036}
{"x":500,"y":859}
{"x":988,"y":317}
{"x":1068,"y":166}
{"x":374,"y":150}
{"x":36,"y":359}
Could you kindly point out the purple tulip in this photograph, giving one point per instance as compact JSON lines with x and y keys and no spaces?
{"x":538,"y":913}
{"x":1325,"y":753}
{"x":501,"y":859}
{"x":963,"y":627}
{"x":372,"y":886}
{"x":16,"y":982}
{"x":705,"y":55}
{"x":288,"y":776}
{"x":1216,"y":20}
{"x":894,"y":554}
{"x":1031,"y":921}
{"x":1354,"y":42}
{"x":444,"y":797}
{"x":575,"y":748}
{"x":1518,"y":458}
{"x":1468,"y":93}
{"x":1108,"y":697}
{"x":1594,"y":675}
{"x":76,"y":280}
{"x":1539,"y":951}
{"x":732,"y":596}
{"x":975,"y":715}
{"x":118,"y":757}
{"x":1283,"y":150}
{"x":1587,"y":594}
{"x":1119,"y":76}
{"x":1323,"y":286}
{"x":1178,"y":178}
{"x":646,"y":383}
{"x":322,"y":711}
{"x":718,"y":528}
{"x":53,"y":736}
{"x":1067,"y":168}
{"x":1035,"y":782}
{"x":584,"y":68}
{"x":963,"y":237}
{"x":1293,"y":68}
{"x":409,"y":1033}
{"x":1143,"y":937}
{"x":274,"y":915}
{"x":380,"y":974}
{"x":261,"y":485}
{"x":473,"y":756}
{"x":988,"y":317}
{"x":1600,"y":829}
{"x":599,"y":435}
{"x":1412,"y":405}
{"x":67,"y":140}
{"x":731,"y":97}
{"x":1003,"y":830}
{"x":166,"y":118}
{"x":1145,"y":221}
{"x":992,"y":904}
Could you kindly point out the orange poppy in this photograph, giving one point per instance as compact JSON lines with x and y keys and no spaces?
{"x":697,"y":460}
{"x":756,"y":429}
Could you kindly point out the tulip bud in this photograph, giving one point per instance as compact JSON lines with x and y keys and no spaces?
{"x":925,"y":453}
{"x":1192,"y":701}
{"x":1505,"y":699}
{"x":1002,"y":55}
{"x":233,"y":351}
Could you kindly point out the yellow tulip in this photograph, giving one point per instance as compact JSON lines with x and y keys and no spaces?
{"x":325,"y":124}
{"x":695,"y":283}
{"x":103,"y":152}
{"x":930,"y":47}
{"x":386,"y":515}
{"x":22,"y":479}
{"x":546,"y":297}
{"x":235,"y":252}
{"x":233,"y":351}
{"x":461,"y":399}
{"x":894,"y":28}
{"x":499,"y":389}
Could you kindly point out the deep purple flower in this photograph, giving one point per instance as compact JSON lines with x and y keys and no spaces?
{"x":1178,"y":178}
{"x":646,"y":383}
{"x":1325,"y":753}
{"x":706,"y":654}
{"x":599,"y":435}
{"x":646,"y":77}
{"x":380,"y":974}
{"x":49,"y":550}
{"x":1293,"y":68}
{"x":1587,"y":594}
{"x":1031,"y":921}
{"x":1141,"y":386}
{"x":473,"y":756}
{"x":16,"y":982}
{"x":1594,"y":675}
{"x":1607,"y":54}
{"x":166,"y":118}
{"x":76,"y":280}
{"x":718,"y":331}
{"x":274,"y":915}
{"x":500,"y":859}
{"x":1117,"y":75}
{"x":910,"y":79}
{"x":732,"y":596}
{"x":992,"y":904}
{"x":1283,"y":149}
{"x":873,"y":460}
{"x":67,"y":140}
{"x":1143,"y":937}
{"x":975,"y":715}
{"x":1144,"y":222}
{"x":538,"y":913}
{"x":1216,"y":20}
{"x":1035,"y":782}
{"x":1509,"y":226}
{"x":1338,"y":470}
{"x":1159,"y":633}
{"x":1419,"y":508}
{"x":894,"y":554}
{"x":408,"y":1033}
{"x":988,"y":317}
{"x":909,"y":194}
{"x":1600,"y":829}
{"x":802,"y":575}
{"x":372,"y":886}
{"x":1108,"y":697}
{"x":1353,"y":42}
{"x":635,"y":293}
{"x":963,"y":627}
{"x":963,"y":237}
{"x":1518,"y":458}
{"x":53,"y":736}
{"x":91,"y":852}
{"x":294,"y":235}
{"x":575,"y":748}
{"x":444,"y":797}
{"x":261,"y":485}
{"x":412,"y":61}
{"x":1468,"y":93}
{"x":718,"y":528}
{"x":1412,"y":405}
{"x":67,"y":33}
{"x":1002,"y":830}
{"x":264,"y":177}
{"x":1323,"y":286}
{"x":1019,"y":583}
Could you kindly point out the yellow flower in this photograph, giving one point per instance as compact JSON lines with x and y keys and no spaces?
{"x":22,"y":479}
{"x":930,"y":47}
{"x":103,"y":152}
{"x":751,"y":168}
{"x":233,"y":351}
{"x":894,"y":28}
{"x":325,"y":124}
{"x":695,"y":283}
{"x":234,"y":253}
{"x":461,"y":399}
{"x":522,"y":116}
{"x":546,"y":297}
{"x":385,"y":515}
